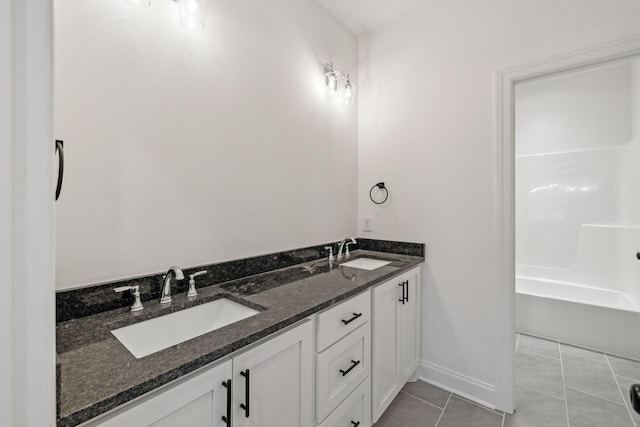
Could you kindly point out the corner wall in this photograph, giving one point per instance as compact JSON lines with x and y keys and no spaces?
{"x":190,"y":148}
{"x":426,"y":123}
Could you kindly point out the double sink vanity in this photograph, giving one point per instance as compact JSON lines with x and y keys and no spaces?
{"x":299,"y":341}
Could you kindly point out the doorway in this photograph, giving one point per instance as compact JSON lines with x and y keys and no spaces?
{"x":504,"y":203}
{"x":577,"y":148}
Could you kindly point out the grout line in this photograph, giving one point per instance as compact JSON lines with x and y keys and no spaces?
{"x":622,"y":357}
{"x":442,"y":413}
{"x":535,"y":337}
{"x":517,"y":341}
{"x":620,"y":390}
{"x":577,"y":347}
{"x":421,"y":400}
{"x":564,"y":391}
{"x":587,"y":357}
{"x":540,"y":391}
{"x":626,"y":377}
{"x":597,"y":397}
{"x":478,"y":405}
{"x":538,"y":354}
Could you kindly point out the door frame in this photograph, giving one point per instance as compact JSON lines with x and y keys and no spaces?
{"x":504,"y":204}
{"x":27,"y":302}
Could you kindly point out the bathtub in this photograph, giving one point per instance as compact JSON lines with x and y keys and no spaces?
{"x":591,"y":317}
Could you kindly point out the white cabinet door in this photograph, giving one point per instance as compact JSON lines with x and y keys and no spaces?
{"x":383,"y":374}
{"x":408,"y":332}
{"x":396,"y":338}
{"x":197,"y":401}
{"x":272,"y":383}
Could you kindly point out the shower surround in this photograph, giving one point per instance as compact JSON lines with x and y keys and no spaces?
{"x":578,"y":208}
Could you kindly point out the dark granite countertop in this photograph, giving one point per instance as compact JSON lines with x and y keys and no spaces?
{"x":97,"y":373}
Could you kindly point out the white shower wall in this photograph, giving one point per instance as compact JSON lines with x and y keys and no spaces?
{"x":577,"y":171}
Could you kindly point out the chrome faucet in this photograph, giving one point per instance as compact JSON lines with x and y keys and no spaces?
{"x":348,"y":241}
{"x":166,"y":287}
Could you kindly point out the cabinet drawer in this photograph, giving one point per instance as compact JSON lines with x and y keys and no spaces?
{"x":341,"y":368}
{"x":354,"y":411}
{"x":342,"y":319}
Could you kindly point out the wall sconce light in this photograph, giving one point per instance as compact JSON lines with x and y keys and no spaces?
{"x":139,"y":3}
{"x":331,"y":78}
{"x":192,"y":12}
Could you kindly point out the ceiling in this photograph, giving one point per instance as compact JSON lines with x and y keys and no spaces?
{"x":364,"y":16}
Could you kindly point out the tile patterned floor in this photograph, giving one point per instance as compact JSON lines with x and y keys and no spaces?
{"x":557,"y":386}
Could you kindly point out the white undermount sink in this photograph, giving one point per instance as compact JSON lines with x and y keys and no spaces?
{"x":150,"y":336}
{"x":366,"y":263}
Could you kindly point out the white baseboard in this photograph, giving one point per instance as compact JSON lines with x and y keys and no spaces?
{"x":470,"y":388}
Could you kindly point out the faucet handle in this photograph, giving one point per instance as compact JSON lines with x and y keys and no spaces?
{"x":137,"y":305}
{"x":346,"y":252}
{"x":196,"y":274}
{"x":192,"y":283}
{"x":330,"y":248}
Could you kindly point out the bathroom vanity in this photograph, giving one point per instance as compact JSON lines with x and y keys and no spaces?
{"x":330,"y":345}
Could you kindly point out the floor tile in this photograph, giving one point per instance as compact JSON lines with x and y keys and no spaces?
{"x":624,"y":384}
{"x":577,"y":351}
{"x":589,"y":376}
{"x":589,"y":411}
{"x":625,"y":367}
{"x":530,"y":344}
{"x":459,"y":413}
{"x":427,"y":392}
{"x":407,"y":411}
{"x":540,"y":373}
{"x":535,"y":409}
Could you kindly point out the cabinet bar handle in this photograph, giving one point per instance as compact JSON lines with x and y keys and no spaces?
{"x":60,"y":150}
{"x":355,"y":316}
{"x":402,"y":299}
{"x":354,"y":363}
{"x":406,"y":284}
{"x":245,"y":405}
{"x":227,"y":418}
{"x":355,"y":423}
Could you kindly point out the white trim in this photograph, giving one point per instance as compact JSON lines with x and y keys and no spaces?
{"x":6,"y":215}
{"x":470,"y":388}
{"x":33,"y":302}
{"x":504,"y":203}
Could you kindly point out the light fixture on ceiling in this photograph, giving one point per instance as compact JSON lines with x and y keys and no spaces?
{"x":192,"y":12}
{"x":332,"y":77}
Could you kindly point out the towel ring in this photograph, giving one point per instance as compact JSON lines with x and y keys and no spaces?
{"x":380,"y":186}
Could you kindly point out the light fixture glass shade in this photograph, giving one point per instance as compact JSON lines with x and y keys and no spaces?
{"x":139,"y":3}
{"x":349,"y":93}
{"x":331,"y":84}
{"x":192,"y":14}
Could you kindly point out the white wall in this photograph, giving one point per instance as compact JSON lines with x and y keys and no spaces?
{"x":189,"y":148}
{"x":426,"y":128}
